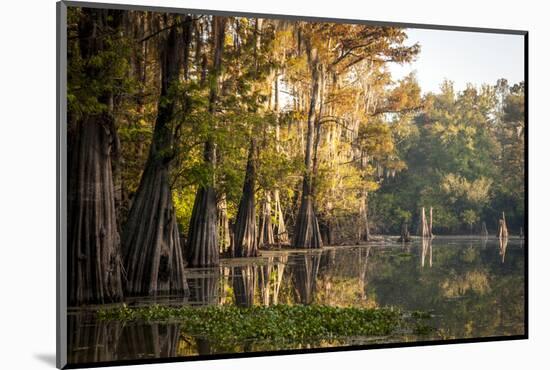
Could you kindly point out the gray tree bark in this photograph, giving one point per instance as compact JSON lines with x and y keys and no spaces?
{"x":202,"y":249}
{"x":153,"y":253}
{"x":246,"y":239}
{"x":94,"y":261}
{"x":307,"y":233}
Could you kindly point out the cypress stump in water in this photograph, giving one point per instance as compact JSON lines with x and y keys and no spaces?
{"x":425,"y":226}
{"x":246,"y":240}
{"x":405,"y":234}
{"x":502,"y":228}
{"x":153,"y":253}
{"x":94,"y":262}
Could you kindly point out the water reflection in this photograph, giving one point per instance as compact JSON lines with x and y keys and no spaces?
{"x":304,"y":273}
{"x":204,"y":285}
{"x":472,"y":291}
{"x":426,"y":250}
{"x":91,"y":341}
{"x":149,"y":340}
{"x":502,"y":244}
{"x":244,"y":285}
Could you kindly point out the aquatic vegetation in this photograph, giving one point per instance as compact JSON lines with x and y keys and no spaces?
{"x":292,"y":323}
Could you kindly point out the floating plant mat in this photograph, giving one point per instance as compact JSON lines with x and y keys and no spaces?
{"x":224,"y":324}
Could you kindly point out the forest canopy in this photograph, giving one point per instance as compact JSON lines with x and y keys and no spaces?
{"x":195,"y":136}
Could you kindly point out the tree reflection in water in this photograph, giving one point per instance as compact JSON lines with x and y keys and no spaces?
{"x":426,"y":250}
{"x":91,"y":341}
{"x":502,"y":244}
{"x":472,"y":291}
{"x":149,"y":340}
{"x":304,"y":272}
{"x":100,"y":341}
{"x":244,"y":284}
{"x":204,"y":286}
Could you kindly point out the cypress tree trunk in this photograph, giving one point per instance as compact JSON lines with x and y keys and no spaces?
{"x":267,"y":236}
{"x":364,"y":230}
{"x":202,"y":249}
{"x":246,"y":240}
{"x":94,"y":262}
{"x":279,"y":228}
{"x":281,"y":235}
{"x":306,"y":233}
{"x":152,"y":251}
{"x":223,"y":226}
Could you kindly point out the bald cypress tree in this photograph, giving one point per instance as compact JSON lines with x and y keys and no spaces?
{"x":94,"y":261}
{"x":202,"y":248}
{"x":153,"y":253}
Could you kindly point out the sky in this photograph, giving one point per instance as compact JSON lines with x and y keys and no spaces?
{"x":463,"y":57}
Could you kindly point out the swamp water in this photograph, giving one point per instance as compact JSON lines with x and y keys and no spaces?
{"x":473,"y":288}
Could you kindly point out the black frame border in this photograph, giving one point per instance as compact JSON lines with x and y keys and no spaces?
{"x":61,"y":189}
